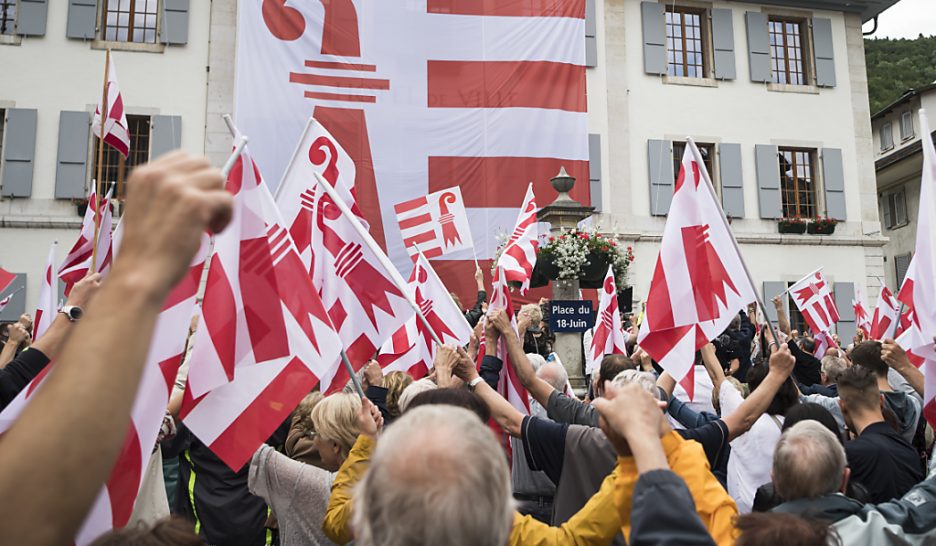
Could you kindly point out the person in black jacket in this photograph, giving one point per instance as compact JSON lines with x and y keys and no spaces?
{"x":742,"y":331}
{"x":474,"y":314}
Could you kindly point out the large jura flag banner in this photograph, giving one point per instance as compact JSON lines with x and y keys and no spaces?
{"x":423,"y":96}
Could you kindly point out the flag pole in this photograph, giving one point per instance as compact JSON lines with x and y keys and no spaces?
{"x":100,"y":165}
{"x":384,"y":261}
{"x":708,"y":183}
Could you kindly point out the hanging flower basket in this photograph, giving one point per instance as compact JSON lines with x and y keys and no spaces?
{"x":792,"y":225}
{"x":822,"y":226}
{"x":583,"y":256}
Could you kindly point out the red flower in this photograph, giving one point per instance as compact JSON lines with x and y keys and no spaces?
{"x":551,"y":239}
{"x":630,"y":249}
{"x":631,"y":257}
{"x":562,"y":237}
{"x":604,"y":248}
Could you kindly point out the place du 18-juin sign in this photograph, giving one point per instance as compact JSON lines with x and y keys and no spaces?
{"x":570,"y":315}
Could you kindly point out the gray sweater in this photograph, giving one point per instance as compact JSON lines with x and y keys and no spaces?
{"x":297,"y":492}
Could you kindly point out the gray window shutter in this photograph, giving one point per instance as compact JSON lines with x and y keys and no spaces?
{"x":31,"y":17}
{"x":844,"y":294}
{"x":887,"y":205}
{"x":723,"y":42}
{"x":175,"y":22}
{"x":71,"y":172}
{"x":591,"y":33}
{"x":653,"y":26}
{"x":17,"y":305}
{"x":19,"y":152}
{"x":768,"y":181}
{"x":833,"y":180}
{"x":594,"y":170}
{"x":901,"y":263}
{"x":771,"y":289}
{"x":82,"y":19}
{"x":165,"y":135}
{"x":758,"y":46}
{"x":732,"y":180}
{"x":660,"y":160}
{"x":825,"y":57}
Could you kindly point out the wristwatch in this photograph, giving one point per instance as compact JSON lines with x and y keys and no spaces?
{"x":73,"y":312}
{"x":475,"y":382}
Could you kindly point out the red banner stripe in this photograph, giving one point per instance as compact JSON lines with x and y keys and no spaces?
{"x":415,"y":221}
{"x":509,"y":8}
{"x":340,"y":97}
{"x":501,"y":182}
{"x":412,"y":204}
{"x":340,"y":81}
{"x":506,"y":84}
{"x":341,"y":66}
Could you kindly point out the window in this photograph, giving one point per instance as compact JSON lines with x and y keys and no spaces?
{"x":685,"y":45}
{"x":797,"y":182}
{"x":906,"y":126}
{"x":887,"y":136}
{"x":901,"y":263}
{"x":708,"y":157}
{"x":7,"y":16}
{"x":786,"y":51}
{"x":797,"y":322}
{"x":115,"y":168}
{"x":2,"y":127}
{"x":895,"y":209}
{"x":130,"y":21}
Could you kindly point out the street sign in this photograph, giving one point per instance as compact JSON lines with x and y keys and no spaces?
{"x":570,"y":315}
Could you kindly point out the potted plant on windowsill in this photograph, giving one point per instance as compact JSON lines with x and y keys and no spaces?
{"x":794,"y":225}
{"x":822,"y":226}
{"x":81,"y":205}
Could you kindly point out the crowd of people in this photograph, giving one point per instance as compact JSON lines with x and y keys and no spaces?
{"x":775,"y":446}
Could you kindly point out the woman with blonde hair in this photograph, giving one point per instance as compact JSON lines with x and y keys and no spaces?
{"x":395,"y":383}
{"x":298,"y":493}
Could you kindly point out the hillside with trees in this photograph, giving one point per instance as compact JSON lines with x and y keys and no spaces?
{"x":894,"y":66}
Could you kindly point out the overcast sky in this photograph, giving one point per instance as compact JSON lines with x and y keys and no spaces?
{"x":907,"y":19}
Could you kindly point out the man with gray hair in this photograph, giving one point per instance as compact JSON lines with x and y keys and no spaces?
{"x":831,"y":368}
{"x":400,"y":503}
{"x":810,"y":474}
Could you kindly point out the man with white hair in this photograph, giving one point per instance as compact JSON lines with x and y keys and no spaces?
{"x":400,"y":503}
{"x":810,"y":472}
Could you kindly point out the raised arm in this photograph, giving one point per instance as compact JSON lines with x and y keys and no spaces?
{"x":783,"y":323}
{"x":16,"y":336}
{"x":170,"y":203}
{"x":712,"y":365}
{"x":896,"y":357}
{"x":742,"y":419}
{"x":503,"y":413}
{"x":538,"y":389}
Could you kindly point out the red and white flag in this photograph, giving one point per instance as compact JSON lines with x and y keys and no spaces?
{"x":918,"y":291}
{"x":363,"y":302}
{"x":824,"y":342}
{"x":608,"y":334}
{"x":509,"y":385}
{"x":884,"y":322}
{"x":115,"y":126}
{"x":519,"y":255}
{"x":699,"y":283}
{"x":862,"y":316}
{"x":77,"y":263}
{"x":114,"y":504}
{"x":6,"y":301}
{"x":265,"y":339}
{"x":411,"y":348}
{"x":6,"y":279}
{"x":906,"y":320}
{"x":47,"y":306}
{"x":814,"y":298}
{"x":437,"y":223}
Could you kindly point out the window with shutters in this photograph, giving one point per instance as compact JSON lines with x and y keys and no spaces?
{"x":7,"y":16}
{"x":115,"y":168}
{"x":687,"y":39}
{"x":130,"y":21}
{"x":787,"y":46}
{"x":901,"y":263}
{"x":887,"y":136}
{"x":798,"y":182}
{"x":708,"y":158}
{"x":906,"y":126}
{"x":894,"y":206}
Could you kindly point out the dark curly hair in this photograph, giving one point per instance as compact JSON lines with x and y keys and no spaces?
{"x":787,"y":395}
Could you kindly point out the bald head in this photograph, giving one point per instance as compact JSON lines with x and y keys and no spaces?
{"x":554,"y":374}
{"x":809,"y":461}
{"x":424,"y":488}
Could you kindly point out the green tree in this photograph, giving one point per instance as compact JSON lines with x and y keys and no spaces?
{"x":898,"y":65}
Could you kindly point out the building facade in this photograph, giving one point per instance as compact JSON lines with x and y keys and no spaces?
{"x":774,"y":92}
{"x":898,"y":165}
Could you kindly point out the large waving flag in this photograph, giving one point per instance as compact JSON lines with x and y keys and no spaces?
{"x":265,"y":339}
{"x":363,"y":302}
{"x":114,"y":504}
{"x":77,"y":263}
{"x":918,"y":291}
{"x":48,"y":297}
{"x":814,"y":298}
{"x":519,"y":255}
{"x":608,"y":335}
{"x":700,"y":282}
{"x":411,"y":348}
{"x":115,"y":126}
{"x":884,"y":322}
